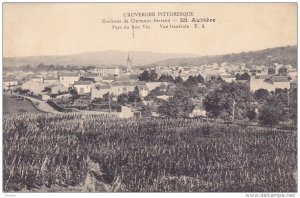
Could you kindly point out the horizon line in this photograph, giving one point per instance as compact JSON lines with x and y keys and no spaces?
{"x":192,"y":54}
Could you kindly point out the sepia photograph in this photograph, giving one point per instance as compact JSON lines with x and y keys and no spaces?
{"x":149,"y":97}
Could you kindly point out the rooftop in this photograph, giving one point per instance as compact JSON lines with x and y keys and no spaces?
{"x":69,"y":74}
{"x":82,"y":83}
{"x":279,"y":79}
{"x":108,"y":78}
{"x":122,"y":83}
{"x":104,"y":86}
{"x":50,"y":78}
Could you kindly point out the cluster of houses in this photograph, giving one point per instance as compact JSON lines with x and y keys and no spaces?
{"x":260,"y":76}
{"x":94,"y":82}
{"x":98,"y":81}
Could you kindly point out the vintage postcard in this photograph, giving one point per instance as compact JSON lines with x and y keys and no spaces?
{"x":150,"y":97}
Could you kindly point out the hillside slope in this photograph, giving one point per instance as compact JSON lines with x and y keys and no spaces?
{"x":282,"y":55}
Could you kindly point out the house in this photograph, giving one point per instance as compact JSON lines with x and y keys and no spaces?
{"x":50,"y":79}
{"x":153,"y":85}
{"x":96,"y":77}
{"x":9,"y":83}
{"x":35,"y":87}
{"x":83,"y":87}
{"x":107,"y":71}
{"x":128,"y":77}
{"x":98,"y":90}
{"x":269,"y":84}
{"x":108,"y":79}
{"x":56,"y":88}
{"x":120,"y":87}
{"x":68,"y":79}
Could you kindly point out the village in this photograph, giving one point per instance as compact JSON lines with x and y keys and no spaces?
{"x":102,"y":89}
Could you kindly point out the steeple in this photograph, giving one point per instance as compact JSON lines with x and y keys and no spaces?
{"x":129,"y":61}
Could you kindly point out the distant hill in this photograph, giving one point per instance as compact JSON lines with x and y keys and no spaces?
{"x":282,"y":55}
{"x":95,"y":58}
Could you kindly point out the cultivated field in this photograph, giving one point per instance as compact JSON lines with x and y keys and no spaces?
{"x":96,"y":153}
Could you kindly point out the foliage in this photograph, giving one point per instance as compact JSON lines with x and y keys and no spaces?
{"x":261,"y":95}
{"x":122,"y":99}
{"x":178,"y":80}
{"x":271,"y":112}
{"x":144,"y":76}
{"x":148,"y":76}
{"x":251,"y":114}
{"x":130,"y":97}
{"x":194,"y":80}
{"x":244,"y":76}
{"x":293,"y":106}
{"x":282,"y":71}
{"x":22,"y":91}
{"x":166,"y":78}
{"x":233,"y":97}
{"x":180,"y":105}
{"x":73,"y":91}
{"x":271,"y":71}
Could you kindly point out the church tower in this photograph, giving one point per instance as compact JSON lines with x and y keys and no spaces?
{"x":129,"y":61}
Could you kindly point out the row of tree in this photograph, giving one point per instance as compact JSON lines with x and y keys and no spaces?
{"x":234,"y":101}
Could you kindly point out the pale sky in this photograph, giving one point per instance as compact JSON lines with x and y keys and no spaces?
{"x":70,"y":28}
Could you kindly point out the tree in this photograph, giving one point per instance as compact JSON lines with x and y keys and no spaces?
{"x":144,"y":76}
{"x":146,"y":111}
{"x":134,"y":96}
{"x":271,"y":112}
{"x":166,"y":78}
{"x":156,"y":92}
{"x":200,"y":79}
{"x":282,"y":71}
{"x":18,"y":90}
{"x":176,"y":107}
{"x":73,"y":91}
{"x":122,"y":99}
{"x":178,"y":80}
{"x":238,"y":76}
{"x":251,"y":114}
{"x":293,"y":106}
{"x":21,"y":91}
{"x":148,"y":76}
{"x":108,"y":97}
{"x":153,"y":76}
{"x":245,"y":76}
{"x":194,"y":80}
{"x":232,"y":100}
{"x":261,"y":95}
{"x":180,"y":105}
{"x":282,"y":95}
{"x":191,"y":81}
{"x":271,"y":71}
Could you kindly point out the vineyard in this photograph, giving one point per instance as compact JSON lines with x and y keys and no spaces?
{"x":145,"y":155}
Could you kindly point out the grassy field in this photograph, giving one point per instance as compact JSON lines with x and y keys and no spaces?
{"x":46,"y":152}
{"x":14,"y":105}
